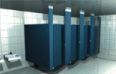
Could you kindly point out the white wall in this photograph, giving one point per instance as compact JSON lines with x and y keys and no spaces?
{"x":34,"y":18}
{"x":108,"y":37}
{"x":12,"y":34}
{"x":39,"y":18}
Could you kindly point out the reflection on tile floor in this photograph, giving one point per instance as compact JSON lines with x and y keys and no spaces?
{"x":90,"y":66}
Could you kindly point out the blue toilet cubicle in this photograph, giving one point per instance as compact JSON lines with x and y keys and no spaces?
{"x":53,"y":45}
{"x":70,"y":39}
{"x":94,"y":35}
{"x":82,"y":44}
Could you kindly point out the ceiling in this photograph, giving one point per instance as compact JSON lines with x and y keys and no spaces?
{"x":99,"y":7}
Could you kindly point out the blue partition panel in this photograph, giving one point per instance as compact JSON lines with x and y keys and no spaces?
{"x":86,"y":40}
{"x":67,"y":37}
{"x":57,"y":45}
{"x":97,"y":32}
{"x":50,"y":23}
{"x":92,"y":36}
{"x":74,"y":42}
{"x":78,"y":41}
{"x":37,"y":44}
{"x":82,"y":47}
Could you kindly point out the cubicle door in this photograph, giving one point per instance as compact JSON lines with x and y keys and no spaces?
{"x":74,"y":43}
{"x":82,"y":48}
{"x":57,"y":45}
{"x":97,"y":31}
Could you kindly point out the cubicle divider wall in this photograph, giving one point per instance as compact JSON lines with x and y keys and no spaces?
{"x":67,"y":20}
{"x":92,"y":50}
{"x":82,"y":53}
{"x":97,"y":32}
{"x":94,"y":35}
{"x":88,"y":39}
{"x":87,"y":44}
{"x":44,"y":43}
{"x":70,"y":39}
{"x":74,"y":41}
{"x":38,"y":47}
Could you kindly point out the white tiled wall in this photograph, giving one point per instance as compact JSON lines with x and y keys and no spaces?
{"x":108,"y":37}
{"x":58,"y":19}
{"x":39,"y":18}
{"x":12,"y":32}
{"x":35,"y":18}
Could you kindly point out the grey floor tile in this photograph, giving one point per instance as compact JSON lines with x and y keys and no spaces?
{"x":28,"y":70}
{"x":89,"y":66}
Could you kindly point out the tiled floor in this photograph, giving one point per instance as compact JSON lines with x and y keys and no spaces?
{"x":90,"y":66}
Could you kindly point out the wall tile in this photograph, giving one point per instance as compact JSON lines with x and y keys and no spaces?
{"x":108,"y":37}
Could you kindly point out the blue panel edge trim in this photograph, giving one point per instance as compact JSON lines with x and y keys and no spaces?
{"x":50,"y":22}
